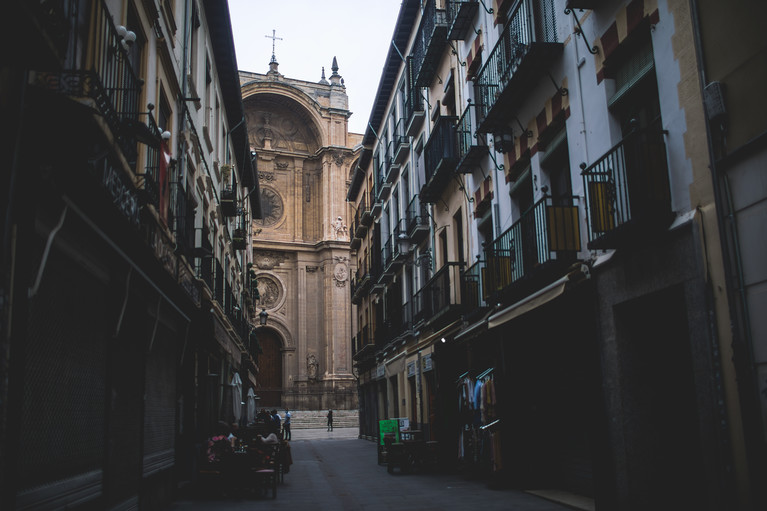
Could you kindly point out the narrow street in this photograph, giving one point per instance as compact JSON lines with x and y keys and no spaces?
{"x":335,"y":470}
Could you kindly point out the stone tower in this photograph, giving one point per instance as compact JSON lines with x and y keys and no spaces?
{"x":301,"y":246}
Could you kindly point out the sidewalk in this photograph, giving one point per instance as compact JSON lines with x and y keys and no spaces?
{"x":336,"y":471}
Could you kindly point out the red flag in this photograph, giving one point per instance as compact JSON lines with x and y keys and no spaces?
{"x":164,"y":181}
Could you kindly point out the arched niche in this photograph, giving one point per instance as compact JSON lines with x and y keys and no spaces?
{"x":282,"y":120}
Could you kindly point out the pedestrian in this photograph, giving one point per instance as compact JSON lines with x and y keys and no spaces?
{"x":330,"y":420}
{"x":286,"y":426}
{"x":276,"y":422}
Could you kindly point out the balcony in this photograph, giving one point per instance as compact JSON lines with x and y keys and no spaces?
{"x":384,"y":185}
{"x":527,"y":46}
{"x":474,"y":292}
{"x":417,"y":220}
{"x":106,"y":75}
{"x":440,"y":158}
{"x":401,"y":142}
{"x":182,"y":222}
{"x":460,"y":14}
{"x":439,"y":300}
{"x":239,"y":239}
{"x":377,"y":283}
{"x":583,"y":4}
{"x":430,"y":42}
{"x":627,"y":191}
{"x":414,"y":112}
{"x":471,"y":148}
{"x":360,"y":285}
{"x":546,"y":238}
{"x":148,"y":181}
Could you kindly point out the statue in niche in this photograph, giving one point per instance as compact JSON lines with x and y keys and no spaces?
{"x":340,"y":229}
{"x":312,"y":367}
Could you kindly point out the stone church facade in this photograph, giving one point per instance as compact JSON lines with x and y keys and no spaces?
{"x":301,"y":257}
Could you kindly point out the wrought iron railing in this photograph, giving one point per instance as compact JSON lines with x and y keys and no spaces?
{"x":429,"y":42}
{"x":416,"y":217}
{"x":475,"y":292}
{"x":182,"y":221}
{"x":414,"y":100}
{"x":441,"y":293}
{"x":97,"y":67}
{"x":218,"y":292}
{"x":441,"y":152}
{"x":546,"y":232}
{"x":470,"y":146}
{"x":627,"y":184}
{"x":460,"y":14}
{"x":529,"y":23}
{"x":401,"y":140}
{"x":149,"y":180}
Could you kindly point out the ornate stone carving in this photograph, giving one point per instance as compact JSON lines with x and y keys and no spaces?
{"x":312,"y":269}
{"x":312,"y":367}
{"x":340,"y":272}
{"x":269,"y":289}
{"x":340,"y":230}
{"x":266,"y":260}
{"x":281,"y":165}
{"x":265,"y":176}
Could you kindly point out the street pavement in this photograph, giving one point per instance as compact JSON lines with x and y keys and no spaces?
{"x":334,"y":470}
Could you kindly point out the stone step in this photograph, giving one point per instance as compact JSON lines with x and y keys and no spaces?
{"x":316,"y":419}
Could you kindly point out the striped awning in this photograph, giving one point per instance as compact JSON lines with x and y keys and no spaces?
{"x":474,"y":58}
{"x":483,"y":197}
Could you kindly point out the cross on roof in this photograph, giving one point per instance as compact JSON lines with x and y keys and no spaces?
{"x":274,"y":38}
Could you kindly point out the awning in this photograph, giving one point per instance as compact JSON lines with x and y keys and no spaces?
{"x":474,"y":330}
{"x":538,"y":298}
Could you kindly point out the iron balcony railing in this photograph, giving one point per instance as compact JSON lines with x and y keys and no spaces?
{"x":218,"y":292}
{"x":440,"y":157}
{"x":546,"y":232}
{"x":628,"y":186}
{"x":526,"y":46}
{"x":460,"y":14}
{"x":430,"y":40}
{"x":360,"y":284}
{"x":240,"y":233}
{"x":96,"y":66}
{"x":387,"y":253}
{"x":204,"y":257}
{"x":417,"y":219}
{"x":401,"y":141}
{"x":475,"y":286}
{"x":413,"y":112}
{"x":471,"y":146}
{"x":149,"y":180}
{"x":441,"y":294}
{"x":182,"y":221}
{"x":229,"y":193}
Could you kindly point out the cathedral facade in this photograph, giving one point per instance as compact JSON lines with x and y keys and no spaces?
{"x":301,"y":257}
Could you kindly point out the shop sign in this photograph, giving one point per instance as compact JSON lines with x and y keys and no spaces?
{"x":380,"y":371}
{"x":388,"y":426}
{"x":411,"y":369}
{"x":426,"y":363}
{"x":121,"y":191}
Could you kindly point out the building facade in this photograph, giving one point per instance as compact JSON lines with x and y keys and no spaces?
{"x":127,"y":303}
{"x":301,"y":260}
{"x":543,"y":285}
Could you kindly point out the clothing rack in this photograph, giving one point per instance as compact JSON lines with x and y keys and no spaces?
{"x":486,"y":372}
{"x":461,"y":377}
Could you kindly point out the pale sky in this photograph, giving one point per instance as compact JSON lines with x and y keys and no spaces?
{"x":356,"y":32}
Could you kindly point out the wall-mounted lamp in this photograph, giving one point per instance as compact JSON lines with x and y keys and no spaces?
{"x":262,"y":317}
{"x":127,"y":37}
{"x":166,"y":135}
{"x":503,"y":141}
{"x":404,"y":243}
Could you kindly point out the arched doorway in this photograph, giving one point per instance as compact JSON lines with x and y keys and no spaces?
{"x":270,"y":369}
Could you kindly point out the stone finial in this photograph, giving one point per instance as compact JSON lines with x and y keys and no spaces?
{"x":335,"y":78}
{"x":323,"y":81}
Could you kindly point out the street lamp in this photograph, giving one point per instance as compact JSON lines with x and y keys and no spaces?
{"x":262,"y":317}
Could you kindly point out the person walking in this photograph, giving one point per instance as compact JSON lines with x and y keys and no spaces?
{"x":330,"y":420}
{"x":286,"y":426}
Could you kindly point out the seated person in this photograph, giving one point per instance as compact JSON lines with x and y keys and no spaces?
{"x":219,"y":445}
